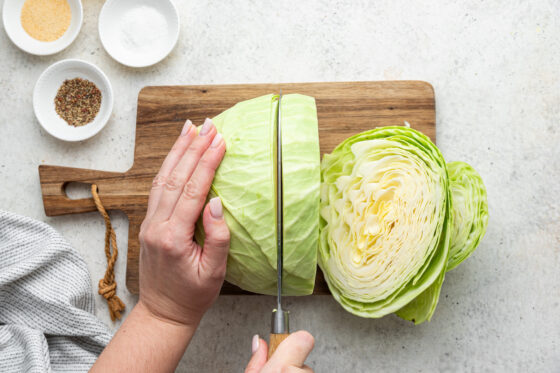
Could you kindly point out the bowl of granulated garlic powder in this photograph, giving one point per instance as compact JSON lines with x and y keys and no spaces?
{"x":42,"y":27}
{"x":73,"y":100}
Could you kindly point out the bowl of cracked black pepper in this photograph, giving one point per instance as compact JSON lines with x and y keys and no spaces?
{"x":73,"y":100}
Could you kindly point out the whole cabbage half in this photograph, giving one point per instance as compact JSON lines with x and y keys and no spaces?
{"x":246,"y":184}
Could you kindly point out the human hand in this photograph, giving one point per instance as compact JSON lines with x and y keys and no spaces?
{"x":289,"y":356}
{"x":179,"y":280}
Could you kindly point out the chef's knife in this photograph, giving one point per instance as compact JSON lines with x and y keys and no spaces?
{"x":280,"y":317}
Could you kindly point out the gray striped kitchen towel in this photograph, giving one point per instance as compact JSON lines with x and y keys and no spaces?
{"x":46,"y":302}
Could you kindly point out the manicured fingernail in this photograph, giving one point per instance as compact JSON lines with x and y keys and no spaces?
{"x":216,"y":209}
{"x":217,"y":140}
{"x":186,"y":127}
{"x":206,"y":127}
{"x":255,"y":344}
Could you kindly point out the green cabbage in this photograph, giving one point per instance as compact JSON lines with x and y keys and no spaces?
{"x":385,"y":227}
{"x":390,"y":217}
{"x":394,"y":220}
{"x":470,"y":211}
{"x":245,"y":182}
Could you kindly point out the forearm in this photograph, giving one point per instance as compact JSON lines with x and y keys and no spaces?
{"x":145,"y":343}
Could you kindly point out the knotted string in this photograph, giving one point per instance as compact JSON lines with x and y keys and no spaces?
{"x":107,"y":285}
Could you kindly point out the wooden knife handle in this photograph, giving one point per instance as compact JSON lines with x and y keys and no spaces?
{"x":275,"y":340}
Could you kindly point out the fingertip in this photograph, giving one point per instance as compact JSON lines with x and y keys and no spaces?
{"x":305,"y":340}
{"x":255,"y":343}
{"x":218,"y":147}
{"x":215,"y":229}
{"x":263,"y":346}
{"x":306,"y":337}
{"x":206,"y":127}
{"x":186,"y":127}
{"x":214,"y":220}
{"x":217,"y":141}
{"x":216,"y":208}
{"x":262,"y":351}
{"x":259,"y":355}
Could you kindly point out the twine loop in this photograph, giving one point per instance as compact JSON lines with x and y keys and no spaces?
{"x":107,"y":285}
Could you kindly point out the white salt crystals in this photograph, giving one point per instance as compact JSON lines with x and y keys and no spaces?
{"x":143,"y":29}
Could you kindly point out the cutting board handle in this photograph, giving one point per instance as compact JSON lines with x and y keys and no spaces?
{"x":53,"y":183}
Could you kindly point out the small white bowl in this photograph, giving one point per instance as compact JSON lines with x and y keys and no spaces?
{"x":112,"y":25}
{"x":11,"y":16}
{"x":45,"y":92}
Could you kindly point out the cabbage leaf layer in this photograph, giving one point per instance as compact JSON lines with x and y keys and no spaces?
{"x":470,"y":211}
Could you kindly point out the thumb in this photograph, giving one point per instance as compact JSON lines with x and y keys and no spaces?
{"x":293,"y":350}
{"x":260,"y":354}
{"x":216,"y":243}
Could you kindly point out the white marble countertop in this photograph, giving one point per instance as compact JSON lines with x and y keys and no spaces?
{"x":495,"y":67}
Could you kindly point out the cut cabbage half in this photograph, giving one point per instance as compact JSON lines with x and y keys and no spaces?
{"x":385,"y":223}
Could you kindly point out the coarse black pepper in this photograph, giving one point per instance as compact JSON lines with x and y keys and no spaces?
{"x":77,"y":101}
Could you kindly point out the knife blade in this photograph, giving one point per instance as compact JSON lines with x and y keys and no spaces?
{"x":280,"y":317}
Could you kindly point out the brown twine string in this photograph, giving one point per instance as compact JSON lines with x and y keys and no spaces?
{"x":107,"y":285}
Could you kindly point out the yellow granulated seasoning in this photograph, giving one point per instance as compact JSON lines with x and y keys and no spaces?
{"x":46,"y":20}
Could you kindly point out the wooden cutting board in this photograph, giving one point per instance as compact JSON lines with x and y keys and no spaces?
{"x":343,"y":108}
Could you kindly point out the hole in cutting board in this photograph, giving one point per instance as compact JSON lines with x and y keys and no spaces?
{"x":75,"y":190}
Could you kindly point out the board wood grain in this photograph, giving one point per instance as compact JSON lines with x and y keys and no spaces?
{"x":343,"y":109}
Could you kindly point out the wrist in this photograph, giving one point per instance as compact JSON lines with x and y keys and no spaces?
{"x":147,"y":315}
{"x":158,"y":344}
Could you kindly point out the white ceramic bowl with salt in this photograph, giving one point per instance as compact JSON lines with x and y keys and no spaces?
{"x":138,"y":33}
